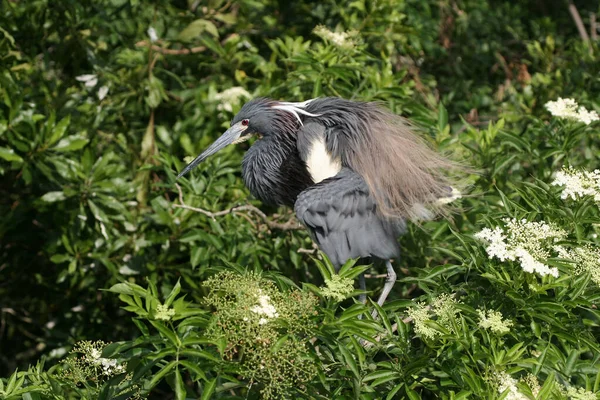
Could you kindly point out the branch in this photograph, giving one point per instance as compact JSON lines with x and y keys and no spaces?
{"x":174,"y":52}
{"x":578,"y":22}
{"x":290,"y":225}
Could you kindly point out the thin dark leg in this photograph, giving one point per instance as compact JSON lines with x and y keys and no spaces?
{"x":362,"y":285}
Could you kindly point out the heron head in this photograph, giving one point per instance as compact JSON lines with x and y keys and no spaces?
{"x":261,"y":116}
{"x":252,"y":119}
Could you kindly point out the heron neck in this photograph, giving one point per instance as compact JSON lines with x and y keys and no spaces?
{"x":273,"y":170}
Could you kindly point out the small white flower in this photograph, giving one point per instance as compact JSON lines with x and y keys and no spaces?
{"x":508,"y":384}
{"x":580,"y":394}
{"x":102,"y":92}
{"x":264,"y":307}
{"x":164,"y":313}
{"x":95,"y":354}
{"x":569,"y":109}
{"x":90,"y":79}
{"x":523,"y":241}
{"x":344,"y":40}
{"x":454,"y":195}
{"x":230,"y":97}
{"x":152,"y":34}
{"x":420,"y":314}
{"x":493,"y":321}
{"x":578,"y":184}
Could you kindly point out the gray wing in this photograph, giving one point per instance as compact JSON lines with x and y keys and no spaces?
{"x":342,"y":218}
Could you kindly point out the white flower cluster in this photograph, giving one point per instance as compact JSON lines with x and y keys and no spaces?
{"x":164,"y":312}
{"x":569,"y":109}
{"x":109,"y":366}
{"x":574,"y":393}
{"x":344,"y":40}
{"x":586,"y":258}
{"x":524,"y":241}
{"x":337,"y":288}
{"x":443,"y":308}
{"x":578,"y":183}
{"x":230,"y":97}
{"x":264,"y":308}
{"x":493,"y":321}
{"x":508,"y":384}
{"x":455,"y":194}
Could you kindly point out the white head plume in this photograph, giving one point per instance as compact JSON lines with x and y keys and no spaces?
{"x":295,"y":108}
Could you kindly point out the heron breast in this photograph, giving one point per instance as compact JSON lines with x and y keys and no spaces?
{"x":320,"y":163}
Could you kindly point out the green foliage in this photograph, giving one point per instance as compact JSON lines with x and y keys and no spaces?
{"x":99,"y":245}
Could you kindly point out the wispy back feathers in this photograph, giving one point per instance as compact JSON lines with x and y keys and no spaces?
{"x":405,"y":176}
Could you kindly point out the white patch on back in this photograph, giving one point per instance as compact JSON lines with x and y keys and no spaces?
{"x":319,"y":162}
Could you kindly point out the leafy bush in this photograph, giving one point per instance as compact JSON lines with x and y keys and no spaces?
{"x":102,"y":101}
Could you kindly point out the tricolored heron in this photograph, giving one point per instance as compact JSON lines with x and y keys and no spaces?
{"x":353,"y":171}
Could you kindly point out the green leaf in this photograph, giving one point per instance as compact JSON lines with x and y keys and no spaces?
{"x":546,"y":389}
{"x":52,"y":197}
{"x":128,"y":288}
{"x":194,"y":368}
{"x":60,"y":258}
{"x":160,"y":374}
{"x":59,"y":130}
{"x":174,"y":292}
{"x":167,"y":333}
{"x":209,"y":389}
{"x":180,"y":392}
{"x":196,"y":255}
{"x":196,"y":28}
{"x":9,"y":155}
{"x":350,"y":362}
{"x":71,"y":143}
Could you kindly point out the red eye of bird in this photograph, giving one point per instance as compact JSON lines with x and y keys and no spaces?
{"x":245,"y":122}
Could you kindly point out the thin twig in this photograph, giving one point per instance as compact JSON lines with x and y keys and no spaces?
{"x":290,"y":225}
{"x":302,"y":250}
{"x":579,"y":23}
{"x":379,"y":276}
{"x":173,"y":52}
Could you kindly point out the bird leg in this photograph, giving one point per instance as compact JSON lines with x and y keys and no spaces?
{"x":362,"y":285}
{"x":390,"y":280}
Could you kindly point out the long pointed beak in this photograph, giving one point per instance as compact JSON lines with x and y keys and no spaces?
{"x":230,"y":136}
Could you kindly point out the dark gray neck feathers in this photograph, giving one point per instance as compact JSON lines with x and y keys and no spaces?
{"x":272,"y":168}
